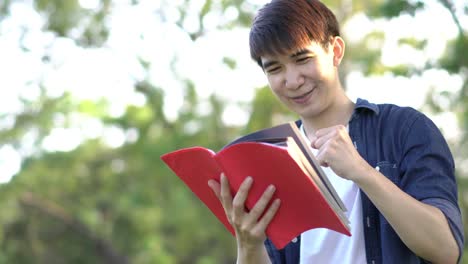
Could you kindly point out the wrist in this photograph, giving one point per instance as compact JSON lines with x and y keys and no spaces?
{"x":248,"y":248}
{"x":252,"y":253}
{"x":362,"y":174}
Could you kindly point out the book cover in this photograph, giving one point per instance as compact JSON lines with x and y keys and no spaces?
{"x":305,"y":205}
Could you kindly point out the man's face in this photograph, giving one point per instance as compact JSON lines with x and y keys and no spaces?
{"x":306,"y":80}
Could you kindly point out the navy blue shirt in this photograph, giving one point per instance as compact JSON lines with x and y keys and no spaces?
{"x":409,"y":150}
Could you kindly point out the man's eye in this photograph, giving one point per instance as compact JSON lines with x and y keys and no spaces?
{"x":303,"y":59}
{"x":273,"y":70}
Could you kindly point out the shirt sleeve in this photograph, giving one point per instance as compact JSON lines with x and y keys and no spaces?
{"x":428,"y":171}
{"x":288,"y":255}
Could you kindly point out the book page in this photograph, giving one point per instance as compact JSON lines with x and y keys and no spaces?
{"x":304,"y":164}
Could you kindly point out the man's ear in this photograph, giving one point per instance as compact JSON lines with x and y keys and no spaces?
{"x":338,"y":50}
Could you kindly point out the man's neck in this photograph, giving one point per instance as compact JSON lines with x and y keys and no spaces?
{"x":337,"y":114}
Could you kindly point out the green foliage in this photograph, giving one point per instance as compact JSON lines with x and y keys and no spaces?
{"x":63,"y":15}
{"x":412,"y":42}
{"x":93,"y":108}
{"x":123,"y":198}
{"x":4,"y":10}
{"x":454,"y":59}
{"x":66,"y":16}
{"x":393,"y":8}
{"x":41,"y":111}
{"x":231,"y":63}
{"x":96,"y":32}
{"x":267,"y":111}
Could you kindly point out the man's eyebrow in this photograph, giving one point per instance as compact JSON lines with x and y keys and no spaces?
{"x":267,"y":63}
{"x":300,"y":52}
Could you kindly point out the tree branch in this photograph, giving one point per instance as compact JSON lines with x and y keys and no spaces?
{"x":451,"y":8}
{"x":53,"y":210}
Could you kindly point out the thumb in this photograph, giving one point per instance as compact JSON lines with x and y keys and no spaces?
{"x":313,"y":139}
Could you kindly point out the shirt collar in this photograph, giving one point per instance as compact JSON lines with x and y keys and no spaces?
{"x":364,"y":104}
{"x":361,"y":104}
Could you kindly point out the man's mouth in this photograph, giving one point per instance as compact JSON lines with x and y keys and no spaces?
{"x":301,"y":99}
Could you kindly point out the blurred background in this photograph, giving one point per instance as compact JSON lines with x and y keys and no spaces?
{"x":93,"y":92}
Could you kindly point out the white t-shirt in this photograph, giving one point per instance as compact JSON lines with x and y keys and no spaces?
{"x":323,"y":245}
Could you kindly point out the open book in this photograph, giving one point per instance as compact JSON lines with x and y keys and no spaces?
{"x":278,"y":156}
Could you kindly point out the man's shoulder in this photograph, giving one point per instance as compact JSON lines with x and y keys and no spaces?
{"x":388,"y":110}
{"x":391,"y":119}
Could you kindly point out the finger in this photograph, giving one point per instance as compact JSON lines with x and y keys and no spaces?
{"x":239,"y":200}
{"x":267,"y":217}
{"x":324,"y":156}
{"x":323,"y":139}
{"x":312,"y":141}
{"x":215,"y":187}
{"x":261,"y":204}
{"x":324,"y":162}
{"x":327,"y":130}
{"x":225,"y":194}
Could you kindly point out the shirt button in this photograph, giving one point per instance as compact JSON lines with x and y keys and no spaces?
{"x":294,"y":240}
{"x":377,"y":168}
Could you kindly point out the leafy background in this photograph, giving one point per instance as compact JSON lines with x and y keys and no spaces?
{"x":104,"y":202}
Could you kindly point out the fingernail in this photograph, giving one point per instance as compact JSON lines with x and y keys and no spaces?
{"x":249,"y":179}
{"x":277,"y":202}
{"x":271,"y":188}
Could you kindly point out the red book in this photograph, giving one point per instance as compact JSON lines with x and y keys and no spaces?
{"x":307,"y":201}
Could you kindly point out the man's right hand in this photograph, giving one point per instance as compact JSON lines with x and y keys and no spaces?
{"x":250,"y":225}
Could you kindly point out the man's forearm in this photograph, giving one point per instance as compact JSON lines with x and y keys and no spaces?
{"x":423,"y":228}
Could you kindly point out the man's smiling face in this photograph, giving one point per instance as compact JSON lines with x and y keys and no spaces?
{"x":306,"y":80}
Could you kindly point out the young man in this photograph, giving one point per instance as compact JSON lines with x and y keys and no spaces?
{"x":389,"y":164}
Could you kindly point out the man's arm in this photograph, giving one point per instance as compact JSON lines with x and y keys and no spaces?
{"x":422,"y":227}
{"x":249,"y":226}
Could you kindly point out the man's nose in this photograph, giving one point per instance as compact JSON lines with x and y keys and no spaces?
{"x":293,"y":78}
